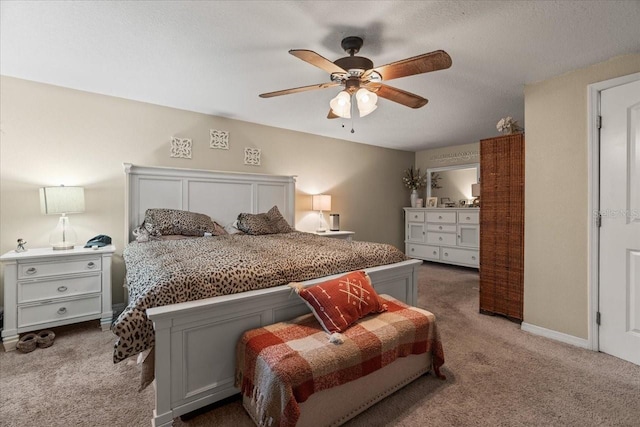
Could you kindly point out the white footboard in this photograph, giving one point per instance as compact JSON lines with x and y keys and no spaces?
{"x":196,"y":341}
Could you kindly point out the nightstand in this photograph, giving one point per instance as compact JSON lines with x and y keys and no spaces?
{"x":345,"y":235}
{"x":44,"y":288}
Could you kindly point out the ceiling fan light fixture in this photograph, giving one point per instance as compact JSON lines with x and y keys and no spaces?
{"x":366,"y":111}
{"x":341,"y":105}
{"x":366,"y":101}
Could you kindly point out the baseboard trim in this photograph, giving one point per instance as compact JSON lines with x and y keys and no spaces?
{"x":555,"y":335}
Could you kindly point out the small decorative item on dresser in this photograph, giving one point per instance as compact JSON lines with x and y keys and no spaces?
{"x":414,"y":180}
{"x":432,"y":202}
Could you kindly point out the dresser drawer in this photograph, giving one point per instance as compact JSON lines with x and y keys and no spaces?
{"x":441,"y":238}
{"x":442,"y":228}
{"x":460,"y":256}
{"x":423,"y":251}
{"x":64,"y":286}
{"x":33,"y":270}
{"x":468,"y":217}
{"x":58,"y":310}
{"x":415,"y":216}
{"x":449,"y":217}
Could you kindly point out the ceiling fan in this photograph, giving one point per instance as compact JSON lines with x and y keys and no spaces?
{"x":363,"y":81}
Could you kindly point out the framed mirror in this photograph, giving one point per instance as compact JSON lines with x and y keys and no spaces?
{"x":453,"y":183}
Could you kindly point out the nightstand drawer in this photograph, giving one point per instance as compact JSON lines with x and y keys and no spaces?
{"x":38,"y":290}
{"x":441,"y":238}
{"x":441,"y":217}
{"x":58,"y":267}
{"x":56,"y":311}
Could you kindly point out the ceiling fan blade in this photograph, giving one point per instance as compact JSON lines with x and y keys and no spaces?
{"x":299,"y":89}
{"x":318,"y":60}
{"x":397,"y":95}
{"x":425,"y":63}
{"x":332,"y":115}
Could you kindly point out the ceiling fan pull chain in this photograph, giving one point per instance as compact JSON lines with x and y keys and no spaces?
{"x":352,"y":99}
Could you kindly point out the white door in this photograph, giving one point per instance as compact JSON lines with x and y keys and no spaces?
{"x":619,"y":281}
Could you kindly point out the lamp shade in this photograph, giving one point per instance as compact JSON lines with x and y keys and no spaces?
{"x":61,"y":200}
{"x":321,"y":202}
{"x":475,"y":190}
{"x":341,"y":105}
{"x":366,"y":101}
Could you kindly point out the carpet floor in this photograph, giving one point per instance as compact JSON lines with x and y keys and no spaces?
{"x":497,"y":375}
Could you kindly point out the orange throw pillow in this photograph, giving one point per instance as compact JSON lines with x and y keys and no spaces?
{"x":338,"y":303}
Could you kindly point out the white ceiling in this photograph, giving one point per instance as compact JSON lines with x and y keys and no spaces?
{"x":215,"y":57}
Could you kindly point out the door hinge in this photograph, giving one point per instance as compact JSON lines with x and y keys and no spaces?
{"x":597,"y":317}
{"x":599,"y":220}
{"x":599,"y":122}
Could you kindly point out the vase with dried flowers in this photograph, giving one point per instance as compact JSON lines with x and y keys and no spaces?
{"x":508,"y":126}
{"x":414,"y":180}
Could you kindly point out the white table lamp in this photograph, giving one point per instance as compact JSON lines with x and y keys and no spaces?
{"x":62,"y":201}
{"x":321,"y":202}
{"x":475,"y":192}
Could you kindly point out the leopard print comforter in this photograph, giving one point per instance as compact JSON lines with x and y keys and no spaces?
{"x":173,"y":271}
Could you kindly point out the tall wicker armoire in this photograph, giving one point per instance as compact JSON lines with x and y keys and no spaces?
{"x":502,"y":225}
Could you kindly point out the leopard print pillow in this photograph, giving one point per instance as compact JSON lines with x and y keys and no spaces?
{"x":278,"y":221}
{"x":271,"y":222}
{"x":163,"y":222}
{"x":255,"y":224}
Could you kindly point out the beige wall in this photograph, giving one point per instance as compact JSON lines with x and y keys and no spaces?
{"x":52,"y":136}
{"x":557,"y":220}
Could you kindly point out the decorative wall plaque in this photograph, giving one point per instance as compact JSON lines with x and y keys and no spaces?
{"x":252,"y":156}
{"x":219,"y":139}
{"x":454,"y":157}
{"x":181,"y":147}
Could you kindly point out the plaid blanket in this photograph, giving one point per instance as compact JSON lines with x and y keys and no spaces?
{"x":281,"y":365}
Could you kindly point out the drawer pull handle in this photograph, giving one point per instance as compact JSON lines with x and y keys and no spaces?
{"x":435,"y":252}
{"x":32,"y":270}
{"x":440,"y":238}
{"x":439,"y":216}
{"x":62,"y":289}
{"x":473,"y":257}
{"x":440,"y":228}
{"x":415,"y":216}
{"x":468,"y":218}
{"x":62,"y":310}
{"x":413,"y":249}
{"x":91,"y":265}
{"x":446,"y":254}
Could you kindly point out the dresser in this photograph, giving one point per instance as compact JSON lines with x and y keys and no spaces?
{"x":44,"y":288}
{"x":502,"y":226}
{"x":447,"y":235}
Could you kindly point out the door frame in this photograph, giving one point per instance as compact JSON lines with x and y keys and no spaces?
{"x":593,"y":156}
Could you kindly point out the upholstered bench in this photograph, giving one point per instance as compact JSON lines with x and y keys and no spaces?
{"x":291,"y":373}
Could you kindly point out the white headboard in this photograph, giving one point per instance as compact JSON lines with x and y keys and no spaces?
{"x":221,"y":195}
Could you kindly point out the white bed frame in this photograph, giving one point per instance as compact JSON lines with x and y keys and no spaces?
{"x":195,"y":341}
